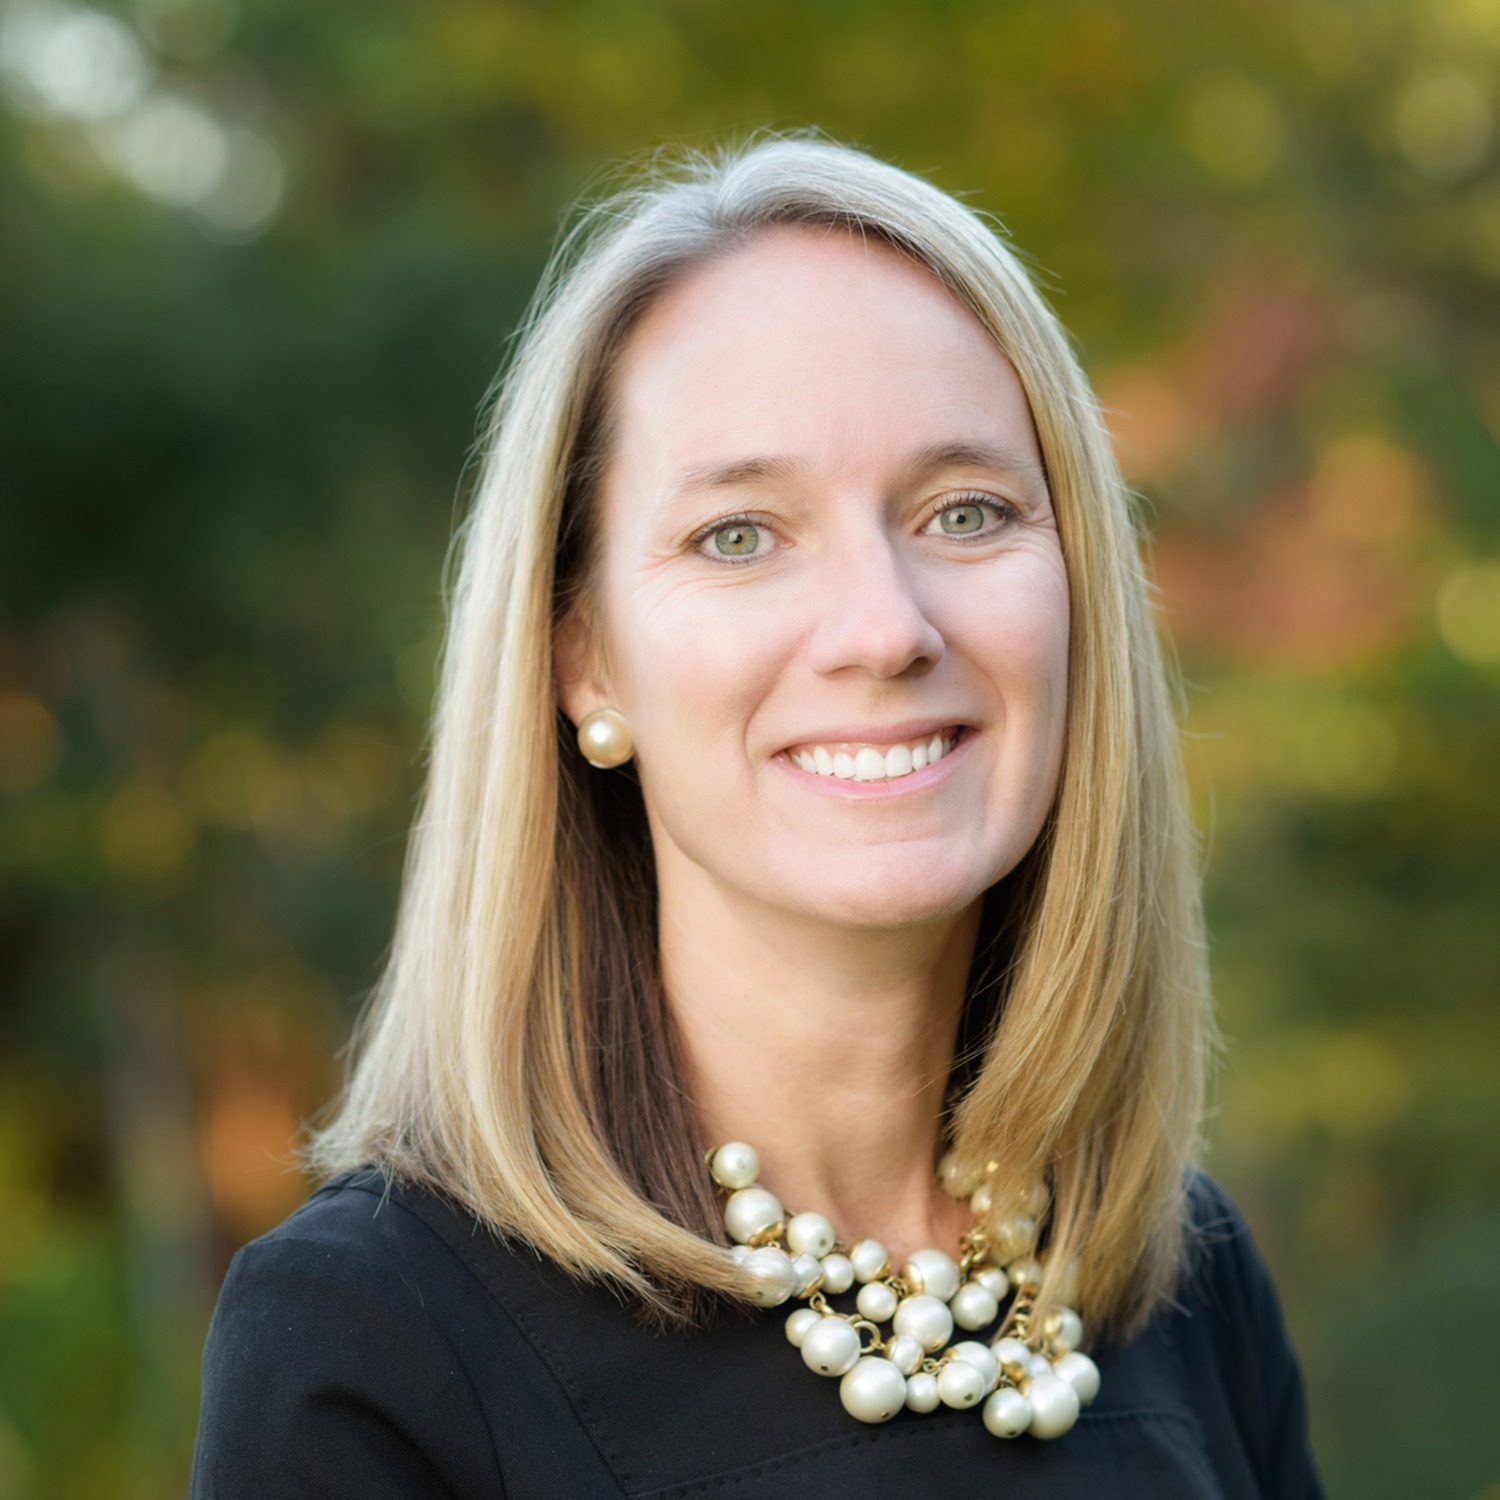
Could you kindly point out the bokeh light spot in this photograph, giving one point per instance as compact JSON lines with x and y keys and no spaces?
{"x":76,"y":63}
{"x":1442,"y":121}
{"x":147,"y":835}
{"x":236,"y":780}
{"x":248,"y":193}
{"x":1484,"y":233}
{"x":1366,"y":488}
{"x":1359,"y":1085}
{"x":1348,"y":751}
{"x":172,"y":150}
{"x":249,"y":1134}
{"x":1148,"y":421}
{"x":30,"y":743}
{"x":1468,"y":612}
{"x":1234,"y":127}
{"x":350,"y":772}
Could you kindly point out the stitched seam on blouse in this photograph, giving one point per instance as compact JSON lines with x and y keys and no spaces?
{"x":523,"y":1323}
{"x":925,"y":1431}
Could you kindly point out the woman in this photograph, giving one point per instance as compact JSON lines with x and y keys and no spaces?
{"x":804,"y":784}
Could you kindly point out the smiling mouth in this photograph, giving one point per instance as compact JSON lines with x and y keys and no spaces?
{"x":854,"y":762}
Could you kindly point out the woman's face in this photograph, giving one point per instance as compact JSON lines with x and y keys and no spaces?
{"x":830,"y":594}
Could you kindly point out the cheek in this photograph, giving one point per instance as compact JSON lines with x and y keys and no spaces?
{"x":689,"y":667}
{"x":1020,"y":633}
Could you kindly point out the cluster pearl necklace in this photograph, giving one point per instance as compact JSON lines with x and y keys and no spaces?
{"x":1028,"y":1380}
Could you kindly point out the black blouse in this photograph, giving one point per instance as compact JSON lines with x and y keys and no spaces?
{"x":378,"y":1345}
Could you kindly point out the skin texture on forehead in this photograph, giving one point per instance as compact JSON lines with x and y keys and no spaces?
{"x":835,"y":301}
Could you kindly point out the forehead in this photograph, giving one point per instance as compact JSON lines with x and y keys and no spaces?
{"x":817,"y":344}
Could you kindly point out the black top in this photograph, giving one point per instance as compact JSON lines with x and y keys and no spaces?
{"x":391,"y":1346}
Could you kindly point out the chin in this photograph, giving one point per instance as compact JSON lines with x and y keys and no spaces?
{"x":889,"y":899}
{"x":894,"y":916}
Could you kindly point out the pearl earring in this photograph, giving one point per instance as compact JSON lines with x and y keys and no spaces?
{"x":604,"y":739}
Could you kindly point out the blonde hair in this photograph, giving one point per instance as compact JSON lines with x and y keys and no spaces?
{"x":518,"y":1055}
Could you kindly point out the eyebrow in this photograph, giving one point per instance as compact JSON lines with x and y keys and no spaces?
{"x":999,"y":457}
{"x":713,"y":476}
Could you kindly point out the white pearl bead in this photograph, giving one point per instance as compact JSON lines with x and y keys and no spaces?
{"x":809,"y":1234}
{"x":874,"y":1390}
{"x":870,"y":1259}
{"x":876,"y":1301}
{"x":809,"y":1271}
{"x":1014,"y":1356}
{"x":838,"y":1274}
{"x":798,"y":1324}
{"x":1035,"y":1199}
{"x":926,"y":1320}
{"x":957,"y":1180}
{"x":974,"y":1306}
{"x":1007,"y":1413}
{"x":1026,"y":1272}
{"x":749,"y":1211}
{"x":1054,"y":1406}
{"x":775,"y":1280}
{"x":735,"y":1165}
{"x":737,"y":1253}
{"x":1081,"y":1373}
{"x":604,"y":739}
{"x":772,"y":1269}
{"x":982,"y":1357}
{"x":1038,"y":1364}
{"x":922,"y":1393}
{"x":960,"y":1385}
{"x":830,"y":1347}
{"x":932,"y":1272}
{"x":905,"y":1354}
{"x":1011,"y":1238}
{"x":995,"y":1282}
{"x":981,"y":1200}
{"x":1066,"y":1328}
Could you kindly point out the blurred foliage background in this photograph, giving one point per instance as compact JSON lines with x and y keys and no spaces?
{"x":257,"y":269}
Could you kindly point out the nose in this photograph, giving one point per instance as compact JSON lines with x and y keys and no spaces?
{"x":869,"y":617}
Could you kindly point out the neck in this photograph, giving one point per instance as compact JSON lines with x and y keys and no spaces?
{"x":827,"y":1049}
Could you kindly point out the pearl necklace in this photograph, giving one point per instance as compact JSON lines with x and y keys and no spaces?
{"x":1029,"y":1381}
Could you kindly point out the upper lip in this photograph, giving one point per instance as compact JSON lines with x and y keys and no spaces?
{"x":868,"y":734}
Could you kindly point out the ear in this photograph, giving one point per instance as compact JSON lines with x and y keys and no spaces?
{"x":577,"y":675}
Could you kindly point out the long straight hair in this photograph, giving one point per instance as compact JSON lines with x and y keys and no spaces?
{"x":518,"y":1053}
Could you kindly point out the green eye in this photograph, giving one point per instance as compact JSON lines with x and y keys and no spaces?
{"x":961,"y":520}
{"x":737,"y":540}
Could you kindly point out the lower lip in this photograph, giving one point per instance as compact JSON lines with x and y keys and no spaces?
{"x":885,"y":788}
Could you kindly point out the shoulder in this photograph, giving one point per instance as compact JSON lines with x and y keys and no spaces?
{"x":359,"y":1217}
{"x":356,"y":1246}
{"x":1225,"y":1281}
{"x":333,"y":1352}
{"x":1226,"y":1326}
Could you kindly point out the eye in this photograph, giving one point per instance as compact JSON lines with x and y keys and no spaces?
{"x":740,"y":539}
{"x":733,"y":539}
{"x":968,"y":518}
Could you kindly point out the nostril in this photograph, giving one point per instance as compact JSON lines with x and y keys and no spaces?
{"x":883,"y":630}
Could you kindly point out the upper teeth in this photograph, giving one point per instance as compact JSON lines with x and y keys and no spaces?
{"x":871,"y":763}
